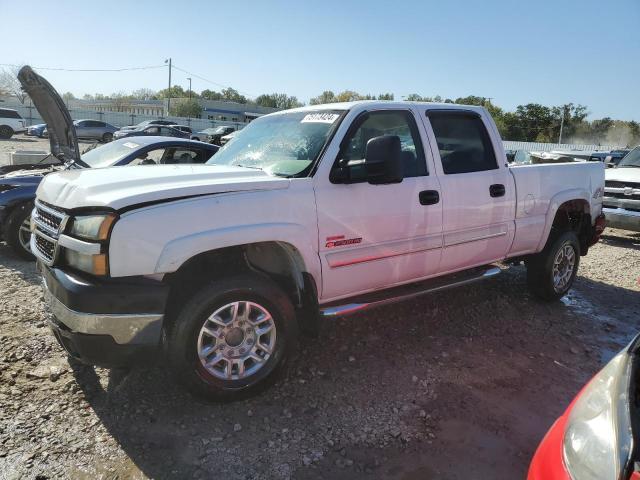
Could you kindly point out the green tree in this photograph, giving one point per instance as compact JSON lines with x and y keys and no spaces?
{"x":634,"y":133}
{"x":68,"y":96}
{"x":144,"y":94}
{"x":232,"y":95}
{"x":325,"y":97}
{"x":385,"y":96}
{"x":600,"y":129}
{"x":277,"y":100}
{"x":530,"y":123}
{"x":210,"y":95}
{"x":186,"y":108}
{"x":176,"y":92}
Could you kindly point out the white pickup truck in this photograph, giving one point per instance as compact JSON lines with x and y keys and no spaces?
{"x":622,"y":193}
{"x":313,"y":212}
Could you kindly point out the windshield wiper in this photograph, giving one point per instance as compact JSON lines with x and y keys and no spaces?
{"x":248,"y":166}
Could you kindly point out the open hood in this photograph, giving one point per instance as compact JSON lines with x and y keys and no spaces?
{"x":62,"y":133}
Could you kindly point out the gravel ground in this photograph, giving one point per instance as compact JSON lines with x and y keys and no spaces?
{"x":461,"y":381}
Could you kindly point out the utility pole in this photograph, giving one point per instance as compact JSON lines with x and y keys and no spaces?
{"x":169,"y":91}
{"x":564,"y":113}
{"x":189,"y":87}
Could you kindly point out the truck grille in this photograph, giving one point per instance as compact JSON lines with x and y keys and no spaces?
{"x":49,"y":224}
{"x":622,"y":190}
{"x":46,"y":248}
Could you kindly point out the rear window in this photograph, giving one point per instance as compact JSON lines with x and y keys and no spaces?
{"x":463,"y":142}
{"x":9,"y":113}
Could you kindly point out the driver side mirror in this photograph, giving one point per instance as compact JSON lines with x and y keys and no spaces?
{"x":382,"y":163}
{"x":383,"y":160}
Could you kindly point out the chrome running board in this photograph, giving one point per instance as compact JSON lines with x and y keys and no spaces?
{"x":406,"y":292}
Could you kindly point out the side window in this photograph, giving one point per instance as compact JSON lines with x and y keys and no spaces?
{"x":400,"y":123}
{"x":149,"y":158}
{"x":463,"y":142}
{"x":152,"y":130}
{"x":182,"y":155}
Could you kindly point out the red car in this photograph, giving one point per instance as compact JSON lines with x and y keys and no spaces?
{"x":595,"y":437}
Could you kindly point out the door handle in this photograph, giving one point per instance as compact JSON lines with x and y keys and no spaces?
{"x":497,"y":190}
{"x":429,"y":197}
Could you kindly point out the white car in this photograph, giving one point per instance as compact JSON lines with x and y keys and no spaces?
{"x":314,"y":212}
{"x":11,"y":122}
{"x":622,"y":193}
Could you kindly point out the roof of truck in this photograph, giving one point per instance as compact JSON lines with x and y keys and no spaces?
{"x":386,"y":103}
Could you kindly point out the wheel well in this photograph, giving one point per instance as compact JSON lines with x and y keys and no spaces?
{"x":574,"y":215}
{"x":279,"y":261}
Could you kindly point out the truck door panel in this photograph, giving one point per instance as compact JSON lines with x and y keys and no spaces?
{"x":373,"y":236}
{"x":478,"y":193}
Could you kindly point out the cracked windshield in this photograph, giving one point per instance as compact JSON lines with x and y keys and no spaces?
{"x":284,"y":145}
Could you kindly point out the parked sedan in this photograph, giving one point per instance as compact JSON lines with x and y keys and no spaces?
{"x":155,"y":130}
{"x":36,"y":130}
{"x":92,"y":130}
{"x":596,"y":437}
{"x":215,"y":134}
{"x":147,"y":122}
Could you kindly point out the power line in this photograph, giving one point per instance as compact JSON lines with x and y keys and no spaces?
{"x":210,"y":81}
{"x":149,"y":67}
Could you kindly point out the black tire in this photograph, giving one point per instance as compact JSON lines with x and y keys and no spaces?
{"x":6,"y":132}
{"x":181,"y":338}
{"x":107,"y":137}
{"x":12,"y":230}
{"x":195,"y":139}
{"x":540,"y":267}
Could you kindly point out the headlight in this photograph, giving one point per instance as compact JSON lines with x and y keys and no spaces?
{"x":93,"y":264}
{"x":92,"y":227}
{"x":598,"y":438}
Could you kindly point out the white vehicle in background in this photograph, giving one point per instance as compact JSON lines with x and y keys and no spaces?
{"x":227,"y":138}
{"x":11,"y":122}
{"x":622,"y":193}
{"x":315,"y":212}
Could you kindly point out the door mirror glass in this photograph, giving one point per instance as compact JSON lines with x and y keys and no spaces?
{"x":383,"y":160}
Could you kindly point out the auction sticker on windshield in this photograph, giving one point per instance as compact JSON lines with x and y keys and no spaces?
{"x":320,"y":118}
{"x":130,"y":145}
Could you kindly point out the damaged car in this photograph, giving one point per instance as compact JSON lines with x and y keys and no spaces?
{"x":18,"y":183}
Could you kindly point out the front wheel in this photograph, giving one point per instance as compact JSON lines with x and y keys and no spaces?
{"x":550,"y":273}
{"x":231,"y":337}
{"x":107,"y":137}
{"x":6,"y":132}
{"x":18,"y":230}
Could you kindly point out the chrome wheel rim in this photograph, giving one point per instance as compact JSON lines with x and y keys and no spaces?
{"x":563,"y":266}
{"x":236,"y":340}
{"x":24,"y":234}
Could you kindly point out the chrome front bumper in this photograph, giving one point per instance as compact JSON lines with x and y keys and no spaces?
{"x":125,"y":329}
{"x":623,"y":219}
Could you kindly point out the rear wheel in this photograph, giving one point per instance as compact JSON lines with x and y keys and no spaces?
{"x":18,"y":231}
{"x":230,"y":339}
{"x":6,"y":132}
{"x":107,"y":137}
{"x":550,"y":274}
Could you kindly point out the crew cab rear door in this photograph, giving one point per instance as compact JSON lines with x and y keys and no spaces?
{"x":375,"y":236}
{"x":477,"y":189}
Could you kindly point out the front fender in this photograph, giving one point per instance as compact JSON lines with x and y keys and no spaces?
{"x":179,"y":250}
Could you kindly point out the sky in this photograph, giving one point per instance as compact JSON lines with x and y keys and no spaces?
{"x":544,"y":51}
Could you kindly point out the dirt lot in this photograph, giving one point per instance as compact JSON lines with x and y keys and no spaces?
{"x":460,"y":384}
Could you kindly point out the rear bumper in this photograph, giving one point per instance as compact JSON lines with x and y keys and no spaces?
{"x":106,"y":323}
{"x":623,"y":219}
